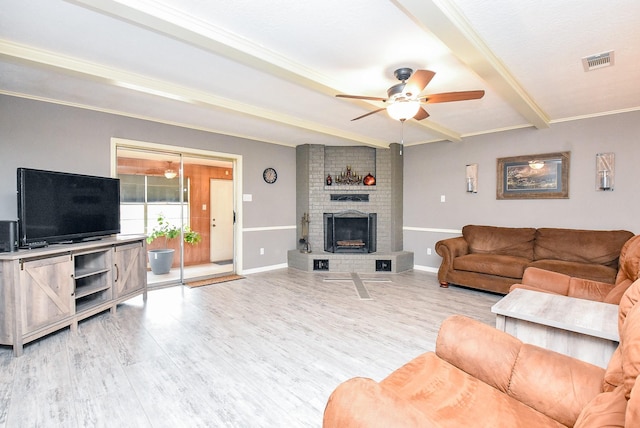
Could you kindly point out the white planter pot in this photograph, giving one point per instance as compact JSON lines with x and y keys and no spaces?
{"x":161,"y":260}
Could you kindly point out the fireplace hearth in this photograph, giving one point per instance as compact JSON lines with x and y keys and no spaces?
{"x":350,"y":232}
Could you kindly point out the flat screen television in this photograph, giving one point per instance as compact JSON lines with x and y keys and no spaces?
{"x":56,"y":207}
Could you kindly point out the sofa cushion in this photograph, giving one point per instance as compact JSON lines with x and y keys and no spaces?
{"x":363,"y":402}
{"x":594,"y":272}
{"x":554,"y":384}
{"x":500,"y":240}
{"x":492,"y":264}
{"x":583,"y":246}
{"x":607,"y":409}
{"x":456,"y":399}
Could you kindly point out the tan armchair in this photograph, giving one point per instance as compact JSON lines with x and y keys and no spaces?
{"x":557,"y":283}
{"x":482,"y":377}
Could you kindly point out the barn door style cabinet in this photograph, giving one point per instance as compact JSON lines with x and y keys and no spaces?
{"x":46,"y":289}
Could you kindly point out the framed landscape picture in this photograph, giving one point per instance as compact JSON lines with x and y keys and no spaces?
{"x":542,"y":176}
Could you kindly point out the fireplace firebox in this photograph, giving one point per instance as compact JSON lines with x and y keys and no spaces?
{"x":350,"y":232}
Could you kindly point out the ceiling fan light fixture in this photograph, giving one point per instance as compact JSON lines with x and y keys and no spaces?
{"x":170,"y":172}
{"x":403,"y":110}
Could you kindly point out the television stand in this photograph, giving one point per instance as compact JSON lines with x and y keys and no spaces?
{"x":45,"y":289}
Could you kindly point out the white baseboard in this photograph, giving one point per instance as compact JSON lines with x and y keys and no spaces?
{"x":263,"y":269}
{"x":425,"y":268}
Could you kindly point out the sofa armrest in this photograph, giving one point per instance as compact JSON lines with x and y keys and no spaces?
{"x":449,"y":249}
{"x":554,"y":384}
{"x":363,"y":402}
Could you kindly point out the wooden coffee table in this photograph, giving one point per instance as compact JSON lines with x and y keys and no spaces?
{"x":582,"y":329}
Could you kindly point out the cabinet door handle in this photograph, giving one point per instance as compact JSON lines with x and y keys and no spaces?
{"x":117,"y":272}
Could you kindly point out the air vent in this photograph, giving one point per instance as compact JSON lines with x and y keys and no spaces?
{"x":593,"y":62}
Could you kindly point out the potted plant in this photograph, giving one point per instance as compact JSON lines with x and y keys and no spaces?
{"x":161,"y":260}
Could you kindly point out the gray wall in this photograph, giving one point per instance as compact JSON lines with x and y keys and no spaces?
{"x":41,"y":135}
{"x":432,"y":170}
{"x":48,"y":136}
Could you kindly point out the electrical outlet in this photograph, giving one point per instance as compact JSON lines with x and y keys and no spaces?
{"x":262,"y":251}
{"x":428,"y":251}
{"x":442,"y":198}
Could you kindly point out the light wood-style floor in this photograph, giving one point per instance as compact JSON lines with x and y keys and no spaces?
{"x":265,"y":351}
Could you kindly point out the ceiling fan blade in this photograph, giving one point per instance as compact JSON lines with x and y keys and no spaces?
{"x":368,"y":114}
{"x":421,"y":114}
{"x":418,"y":81}
{"x":361,"y":97}
{"x":446,"y":97}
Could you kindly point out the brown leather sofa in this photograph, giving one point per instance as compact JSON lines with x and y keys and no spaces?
{"x":558,"y":283}
{"x":494,"y":258}
{"x":479,"y":376}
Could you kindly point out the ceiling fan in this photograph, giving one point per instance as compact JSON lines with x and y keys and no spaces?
{"x":404,"y":98}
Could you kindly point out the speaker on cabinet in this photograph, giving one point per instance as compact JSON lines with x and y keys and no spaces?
{"x":8,"y":236}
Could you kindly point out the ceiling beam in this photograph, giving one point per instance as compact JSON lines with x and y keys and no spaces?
{"x":447,"y":23}
{"x":145,"y":84}
{"x":180,"y":26}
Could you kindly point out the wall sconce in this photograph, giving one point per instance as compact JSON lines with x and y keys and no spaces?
{"x":605,"y":171}
{"x":472,"y":178}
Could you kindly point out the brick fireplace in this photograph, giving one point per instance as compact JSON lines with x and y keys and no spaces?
{"x":347,"y":202}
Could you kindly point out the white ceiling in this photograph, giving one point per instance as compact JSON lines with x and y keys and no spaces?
{"x":269,"y":71}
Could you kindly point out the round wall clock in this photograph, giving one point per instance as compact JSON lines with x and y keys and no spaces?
{"x":270,"y":175}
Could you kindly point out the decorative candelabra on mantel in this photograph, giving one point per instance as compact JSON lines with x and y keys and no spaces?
{"x":348,"y":177}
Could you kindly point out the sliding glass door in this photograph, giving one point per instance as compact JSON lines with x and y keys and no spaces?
{"x":167,"y":197}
